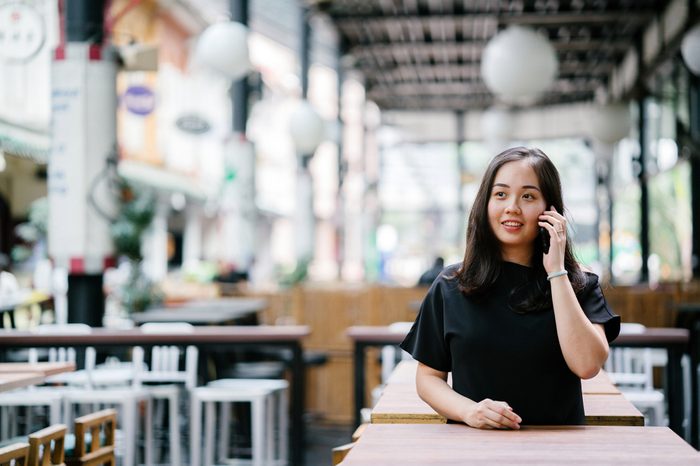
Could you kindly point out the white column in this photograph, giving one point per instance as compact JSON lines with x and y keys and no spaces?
{"x":154,"y":247}
{"x":304,"y":216}
{"x":83,"y":132}
{"x":238,"y":206}
{"x":192,"y":236}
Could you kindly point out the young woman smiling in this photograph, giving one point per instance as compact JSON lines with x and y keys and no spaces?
{"x":516,"y":325}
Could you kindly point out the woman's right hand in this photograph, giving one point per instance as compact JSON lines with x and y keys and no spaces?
{"x":490,"y":414}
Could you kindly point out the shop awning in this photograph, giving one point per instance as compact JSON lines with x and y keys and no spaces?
{"x":24,"y":141}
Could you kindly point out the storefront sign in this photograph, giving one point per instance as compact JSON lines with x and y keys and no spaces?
{"x":139,"y":100}
{"x":193,"y":124}
{"x":22,"y":32}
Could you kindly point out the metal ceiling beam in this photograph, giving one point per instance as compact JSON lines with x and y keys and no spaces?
{"x":477,"y":46}
{"x":532,"y":19}
{"x":474,"y":102}
{"x":456,"y":89}
{"x":472,"y":70}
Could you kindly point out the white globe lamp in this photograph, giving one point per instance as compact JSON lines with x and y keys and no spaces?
{"x":223,"y":47}
{"x":518,"y":64}
{"x":306,"y":127}
{"x":610,"y":123}
{"x":690,"y":49}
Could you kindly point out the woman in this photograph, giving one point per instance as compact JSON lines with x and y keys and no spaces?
{"x":518,"y":327}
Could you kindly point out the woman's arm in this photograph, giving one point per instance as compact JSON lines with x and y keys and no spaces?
{"x":487,"y":414}
{"x":583,"y":343}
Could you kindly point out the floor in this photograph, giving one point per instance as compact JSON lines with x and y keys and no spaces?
{"x":320,"y":439}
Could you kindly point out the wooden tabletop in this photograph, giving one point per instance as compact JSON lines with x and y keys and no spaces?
{"x":610,"y":410}
{"x":599,"y":385}
{"x":125,"y":337}
{"x":44,"y":368}
{"x":400,"y":403}
{"x":457,"y":444}
{"x":214,"y":311}
{"x":12,"y":380}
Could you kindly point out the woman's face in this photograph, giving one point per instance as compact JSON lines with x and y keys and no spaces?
{"x":515,"y":203}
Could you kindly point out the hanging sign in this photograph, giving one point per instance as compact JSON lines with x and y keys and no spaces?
{"x":22,"y":32}
{"x":139,"y":100}
{"x":193,"y":124}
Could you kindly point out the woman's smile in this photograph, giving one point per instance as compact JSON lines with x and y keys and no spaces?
{"x":514,"y":207}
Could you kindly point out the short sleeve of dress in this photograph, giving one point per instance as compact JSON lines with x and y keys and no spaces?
{"x":426,"y":339}
{"x":596,"y":307}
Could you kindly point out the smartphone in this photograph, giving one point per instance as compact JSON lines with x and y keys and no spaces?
{"x":544,"y":237}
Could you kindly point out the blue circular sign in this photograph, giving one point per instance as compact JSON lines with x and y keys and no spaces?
{"x":139,"y":100}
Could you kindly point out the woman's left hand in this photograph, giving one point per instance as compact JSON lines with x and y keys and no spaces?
{"x":555,"y":223}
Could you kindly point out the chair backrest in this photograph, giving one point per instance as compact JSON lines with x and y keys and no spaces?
{"x":165,"y":366}
{"x":100,"y":449}
{"x":46,"y":447}
{"x":63,"y":354}
{"x":631,"y":367}
{"x":62,"y":329}
{"x":391,"y":354}
{"x":165,"y":360}
{"x":339,"y":453}
{"x":167,"y":327}
{"x":17,"y":452}
{"x":115,"y":372}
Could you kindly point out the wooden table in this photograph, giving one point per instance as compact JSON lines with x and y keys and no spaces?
{"x":12,"y":380}
{"x":400,"y":403}
{"x":204,"y":312}
{"x":44,"y":368}
{"x":599,"y":385}
{"x":221,"y":338}
{"x":20,"y":374}
{"x":674,"y":340}
{"x":457,"y":444}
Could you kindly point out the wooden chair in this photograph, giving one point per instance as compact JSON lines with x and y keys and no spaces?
{"x":46,"y":447}
{"x":339,"y":453}
{"x":17,"y":452}
{"x":99,"y":450}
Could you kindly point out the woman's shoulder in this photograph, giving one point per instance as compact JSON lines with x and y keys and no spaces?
{"x":591,"y":280}
{"x":447,"y":282}
{"x":450,"y":271}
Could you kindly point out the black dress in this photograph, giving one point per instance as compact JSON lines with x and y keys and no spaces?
{"x":495,"y":352}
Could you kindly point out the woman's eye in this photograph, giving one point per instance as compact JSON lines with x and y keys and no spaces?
{"x":528,"y":196}
{"x":499,"y":194}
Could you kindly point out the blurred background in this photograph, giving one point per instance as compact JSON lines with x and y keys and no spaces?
{"x":157,"y":150}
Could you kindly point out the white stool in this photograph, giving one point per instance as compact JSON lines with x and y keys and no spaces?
{"x":263,"y":395}
{"x":127,"y":398}
{"x":50,"y":397}
{"x":276,"y":415}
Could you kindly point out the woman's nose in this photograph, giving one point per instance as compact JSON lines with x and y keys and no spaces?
{"x":513,"y":207}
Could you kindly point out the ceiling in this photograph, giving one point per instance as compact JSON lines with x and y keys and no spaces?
{"x":425,"y":54}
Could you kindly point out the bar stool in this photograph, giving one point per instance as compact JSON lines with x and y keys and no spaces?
{"x":127,"y":398}
{"x":49,"y":397}
{"x":269,"y":405}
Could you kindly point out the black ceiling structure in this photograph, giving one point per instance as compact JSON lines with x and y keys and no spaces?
{"x":425,"y":54}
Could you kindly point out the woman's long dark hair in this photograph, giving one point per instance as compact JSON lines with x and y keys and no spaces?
{"x":482,"y":258}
